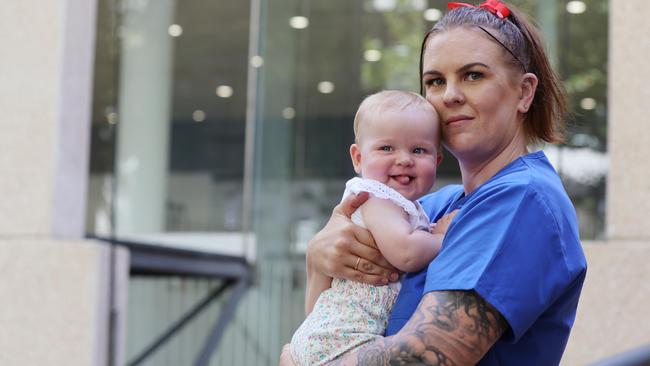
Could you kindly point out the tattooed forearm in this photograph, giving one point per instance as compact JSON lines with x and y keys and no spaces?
{"x":465,"y":312}
{"x":392,"y":351}
{"x":410,"y":352}
{"x":448,"y":328}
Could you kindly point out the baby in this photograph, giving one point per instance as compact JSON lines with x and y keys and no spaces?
{"x":396,"y":154}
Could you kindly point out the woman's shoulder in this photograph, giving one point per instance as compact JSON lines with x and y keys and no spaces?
{"x":530,"y":184}
{"x":448,"y":192}
{"x":529,"y":173}
{"x":435,"y":204}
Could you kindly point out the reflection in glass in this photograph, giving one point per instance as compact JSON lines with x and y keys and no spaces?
{"x":172,"y":174}
{"x":171,"y":93}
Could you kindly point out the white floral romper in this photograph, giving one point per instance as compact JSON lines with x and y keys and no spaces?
{"x":349,"y":313}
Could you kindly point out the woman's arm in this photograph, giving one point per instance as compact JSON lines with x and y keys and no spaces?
{"x":448,"y":328}
{"x":333,"y":252}
{"x":316,"y":284}
{"x":407,"y":249}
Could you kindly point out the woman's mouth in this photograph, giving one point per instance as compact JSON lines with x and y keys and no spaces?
{"x":457,"y":118}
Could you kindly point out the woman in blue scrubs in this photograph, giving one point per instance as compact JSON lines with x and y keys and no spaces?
{"x":504,"y":289}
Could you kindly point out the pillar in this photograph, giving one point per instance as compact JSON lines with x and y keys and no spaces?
{"x":57,"y":288}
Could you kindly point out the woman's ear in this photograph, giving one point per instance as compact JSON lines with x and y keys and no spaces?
{"x":528,"y":87}
{"x":355,"y":155}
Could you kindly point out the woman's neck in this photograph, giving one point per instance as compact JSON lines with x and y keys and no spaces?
{"x":474,"y":174}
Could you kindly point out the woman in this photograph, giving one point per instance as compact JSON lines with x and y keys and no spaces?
{"x":504,"y":288}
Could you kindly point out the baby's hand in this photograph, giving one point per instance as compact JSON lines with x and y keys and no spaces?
{"x":440,"y":226}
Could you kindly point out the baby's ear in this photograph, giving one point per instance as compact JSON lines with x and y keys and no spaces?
{"x":439,"y":157}
{"x":355,"y":155}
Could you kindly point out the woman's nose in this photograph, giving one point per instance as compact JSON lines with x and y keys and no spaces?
{"x":453,"y":95}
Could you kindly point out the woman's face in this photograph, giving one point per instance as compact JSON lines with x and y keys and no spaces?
{"x":478,"y":95}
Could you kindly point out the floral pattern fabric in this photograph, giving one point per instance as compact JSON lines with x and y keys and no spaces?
{"x":349,"y":313}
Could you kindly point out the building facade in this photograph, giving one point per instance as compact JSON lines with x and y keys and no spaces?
{"x":223,"y":128}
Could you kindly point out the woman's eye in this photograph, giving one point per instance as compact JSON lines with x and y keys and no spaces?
{"x":474,"y":76}
{"x":386,"y":148}
{"x":433,"y":82}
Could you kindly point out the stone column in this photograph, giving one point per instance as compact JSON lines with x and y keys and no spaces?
{"x":617,"y":288}
{"x":55,"y":285}
{"x":628,"y":183}
{"x":145,"y":112}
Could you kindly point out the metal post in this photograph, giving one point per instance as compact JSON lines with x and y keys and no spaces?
{"x":181,"y":323}
{"x":226,"y":313}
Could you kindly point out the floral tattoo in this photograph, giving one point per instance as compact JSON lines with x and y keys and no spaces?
{"x":448,"y":328}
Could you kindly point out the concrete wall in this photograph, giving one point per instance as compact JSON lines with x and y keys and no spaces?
{"x":613,"y":311}
{"x":56,"y":287}
{"x":30,"y":66}
{"x":628,"y":186}
{"x":55,"y":301}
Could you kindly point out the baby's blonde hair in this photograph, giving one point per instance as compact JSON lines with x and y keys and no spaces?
{"x":388,"y":101}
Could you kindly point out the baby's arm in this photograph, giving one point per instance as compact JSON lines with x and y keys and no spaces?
{"x":408,"y":250}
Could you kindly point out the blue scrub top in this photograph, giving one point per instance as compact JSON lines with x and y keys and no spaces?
{"x":515,"y":242}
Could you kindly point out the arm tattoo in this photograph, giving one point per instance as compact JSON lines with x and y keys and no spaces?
{"x":448,"y":328}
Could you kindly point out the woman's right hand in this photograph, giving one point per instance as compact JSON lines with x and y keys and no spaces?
{"x":344,"y":250}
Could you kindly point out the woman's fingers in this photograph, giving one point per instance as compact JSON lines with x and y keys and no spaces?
{"x":351,"y":203}
{"x":363,"y":270}
{"x":354,"y":260}
{"x":368,"y":249}
{"x":364,"y":237}
{"x":344,"y":250}
{"x":371,"y":279}
{"x":369,"y":266}
{"x":444,"y":222}
{"x":372,"y":261}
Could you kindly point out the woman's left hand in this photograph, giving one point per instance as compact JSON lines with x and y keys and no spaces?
{"x":440,"y":227}
{"x":285,"y":357}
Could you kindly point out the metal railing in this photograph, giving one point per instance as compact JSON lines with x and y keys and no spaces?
{"x":636,"y":357}
{"x":233,"y":272}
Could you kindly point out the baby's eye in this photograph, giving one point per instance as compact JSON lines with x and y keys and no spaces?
{"x":386,"y":148}
{"x":419,"y":150}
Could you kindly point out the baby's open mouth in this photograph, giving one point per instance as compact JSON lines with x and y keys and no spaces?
{"x":403,"y":179}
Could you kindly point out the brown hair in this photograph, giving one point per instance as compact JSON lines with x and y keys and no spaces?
{"x":545,"y":119}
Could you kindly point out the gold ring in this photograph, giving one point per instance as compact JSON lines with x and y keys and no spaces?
{"x":356,"y":265}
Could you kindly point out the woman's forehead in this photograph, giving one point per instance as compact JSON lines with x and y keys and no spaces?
{"x":460,"y":46}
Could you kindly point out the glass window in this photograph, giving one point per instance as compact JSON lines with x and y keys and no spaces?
{"x":582,"y":162}
{"x":190,"y":106}
{"x":169,"y":121}
{"x":315,"y":76}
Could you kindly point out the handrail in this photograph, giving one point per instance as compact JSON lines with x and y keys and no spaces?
{"x":148,"y":259}
{"x":635,"y":357}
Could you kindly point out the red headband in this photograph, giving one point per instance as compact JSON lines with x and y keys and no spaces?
{"x":495,"y":7}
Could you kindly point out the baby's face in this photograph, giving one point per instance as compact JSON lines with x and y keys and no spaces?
{"x":399,"y":149}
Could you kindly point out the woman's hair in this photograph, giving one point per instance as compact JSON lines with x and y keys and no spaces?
{"x":523,"y":46}
{"x":384,"y":101}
